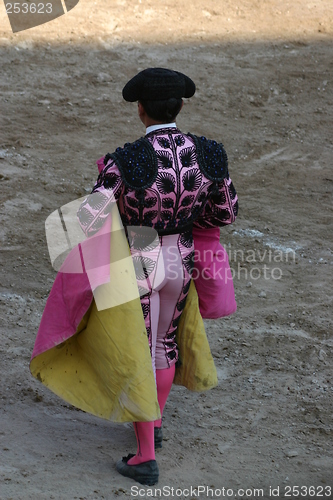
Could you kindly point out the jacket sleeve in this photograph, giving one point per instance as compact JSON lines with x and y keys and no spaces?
{"x":221,"y":207}
{"x":96,"y":207}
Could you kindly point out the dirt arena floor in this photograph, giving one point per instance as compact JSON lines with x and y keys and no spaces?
{"x":263,"y":70}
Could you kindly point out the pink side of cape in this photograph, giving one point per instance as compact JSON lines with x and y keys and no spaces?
{"x":66,"y":305}
{"x":71,"y":293}
{"x":213,"y":278}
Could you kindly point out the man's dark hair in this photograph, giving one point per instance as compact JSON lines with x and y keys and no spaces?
{"x":165,"y":110}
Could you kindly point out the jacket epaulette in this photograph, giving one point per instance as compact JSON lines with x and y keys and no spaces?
{"x":137,"y":163}
{"x":212,"y":158}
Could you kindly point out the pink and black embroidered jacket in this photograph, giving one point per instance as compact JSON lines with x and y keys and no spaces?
{"x":167,"y":180}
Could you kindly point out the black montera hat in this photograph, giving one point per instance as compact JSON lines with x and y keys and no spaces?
{"x":156,"y":84}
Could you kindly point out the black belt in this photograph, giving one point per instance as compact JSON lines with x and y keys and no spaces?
{"x":175,"y":230}
{"x":167,"y":231}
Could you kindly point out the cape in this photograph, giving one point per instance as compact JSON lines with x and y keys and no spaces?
{"x":98,"y":358}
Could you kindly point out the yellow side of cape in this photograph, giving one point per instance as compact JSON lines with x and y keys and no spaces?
{"x":196,"y":370}
{"x":105,"y":368}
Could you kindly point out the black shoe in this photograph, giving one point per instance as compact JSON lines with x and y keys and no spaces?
{"x":146,"y":473}
{"x":158,"y":437}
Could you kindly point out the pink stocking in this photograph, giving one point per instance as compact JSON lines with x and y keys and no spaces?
{"x":144,"y":432}
{"x":164,"y":379}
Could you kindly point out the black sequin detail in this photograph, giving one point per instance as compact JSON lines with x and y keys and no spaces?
{"x":137,"y":163}
{"x":175,"y":323}
{"x":187,"y":200}
{"x":172,"y":224}
{"x":130,"y":212}
{"x":188,"y":157}
{"x":232,"y":191}
{"x":145,"y":310}
{"x":192,"y":180}
{"x":100,"y":180}
{"x":110,"y":180}
{"x":183,"y":214}
{"x":189,"y":263}
{"x":165,"y":183}
{"x":181,"y":304}
{"x":219,"y":198}
{"x":202,"y":197}
{"x":212,"y":158}
{"x":150,"y":202}
{"x":186,"y":239}
{"x":159,"y":226}
{"x":168,"y":203}
{"x":143,"y":267}
{"x":196,"y":211}
{"x":187,"y":287}
{"x":164,"y":159}
{"x":133,"y":202}
{"x":166,"y":215}
{"x":222,"y":214}
{"x":164,"y":143}
{"x":179,"y":140}
{"x":152,"y":214}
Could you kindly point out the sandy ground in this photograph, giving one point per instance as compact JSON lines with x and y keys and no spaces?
{"x":263,"y":71}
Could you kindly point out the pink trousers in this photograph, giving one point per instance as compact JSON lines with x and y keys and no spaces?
{"x":162,"y":300}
